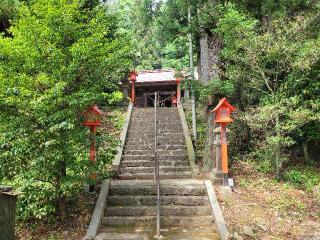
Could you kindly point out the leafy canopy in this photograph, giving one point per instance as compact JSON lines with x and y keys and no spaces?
{"x":62,"y":58}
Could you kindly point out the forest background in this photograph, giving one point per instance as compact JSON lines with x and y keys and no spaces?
{"x":57,"y":57}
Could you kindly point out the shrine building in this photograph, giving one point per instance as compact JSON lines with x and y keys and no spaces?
{"x":142,"y":86}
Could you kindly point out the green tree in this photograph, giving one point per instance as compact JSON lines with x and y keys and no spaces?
{"x":8,"y":9}
{"x":63,"y":57}
{"x":266,"y":68}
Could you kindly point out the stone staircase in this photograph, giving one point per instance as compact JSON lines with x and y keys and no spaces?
{"x":138,"y":156}
{"x":131,"y":203}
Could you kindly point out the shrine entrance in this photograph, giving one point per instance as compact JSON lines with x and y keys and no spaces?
{"x":145,"y":98}
{"x":147,"y":83}
{"x":165,"y":99}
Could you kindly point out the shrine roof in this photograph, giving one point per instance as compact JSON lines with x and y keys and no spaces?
{"x":222,"y":102}
{"x":150,"y":76}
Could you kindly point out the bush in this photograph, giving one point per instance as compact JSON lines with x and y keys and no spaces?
{"x":62,"y":58}
{"x":307,"y":177}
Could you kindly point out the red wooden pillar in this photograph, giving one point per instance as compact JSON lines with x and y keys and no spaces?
{"x":178,"y":81}
{"x":93,"y":153}
{"x":224,"y":148}
{"x":133,"y":92}
{"x":133,"y":78}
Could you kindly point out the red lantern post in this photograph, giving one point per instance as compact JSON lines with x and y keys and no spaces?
{"x":178,"y":81}
{"x":92,"y":120}
{"x":133,"y":78}
{"x":222,"y":115}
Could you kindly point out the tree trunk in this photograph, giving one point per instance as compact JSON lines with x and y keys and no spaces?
{"x":194,"y":118}
{"x":7,"y":213}
{"x":306,"y":152}
{"x":265,"y":21}
{"x":193,"y":99}
{"x":208,"y":154}
{"x":62,"y":205}
{"x":61,"y":196}
{"x":278,"y":148}
{"x":210,"y":46}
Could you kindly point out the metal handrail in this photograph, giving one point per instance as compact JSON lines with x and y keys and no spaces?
{"x":156,"y":162}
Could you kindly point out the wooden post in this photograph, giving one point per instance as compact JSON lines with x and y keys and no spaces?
{"x":92,"y":144}
{"x":133,"y":92}
{"x":224,"y":148}
{"x":224,"y":153}
{"x":93,"y":156}
{"x":7,"y":213}
{"x":178,"y":93}
{"x":133,"y":77}
{"x":217,"y":172}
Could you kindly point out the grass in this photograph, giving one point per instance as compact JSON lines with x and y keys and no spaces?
{"x":304,"y":177}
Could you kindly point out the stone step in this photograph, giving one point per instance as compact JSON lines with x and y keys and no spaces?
{"x":168,"y":175}
{"x":150,"y":138}
{"x":150,"y":170}
{"x":150,"y":133}
{"x":160,"y":115}
{"x":164,"y":210}
{"x":161,"y":157}
{"x":146,"y":163}
{"x":163,"y":109}
{"x":151,"y":200}
{"x":206,"y":232}
{"x":160,"y":152}
{"x":165,"y":133}
{"x":160,"y":124}
{"x":149,"y":126}
{"x":141,"y":147}
{"x":160,"y":128}
{"x":180,"y":187}
{"x":150,"y":142}
{"x":151,"y":115}
{"x":160,"y":112}
{"x":171,"y":118}
{"x":161,"y":140}
{"x":160,"y":133}
{"x":167,"y":221}
{"x":138,"y":109}
{"x":120,"y":236}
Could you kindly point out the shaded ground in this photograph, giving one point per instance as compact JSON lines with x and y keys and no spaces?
{"x":71,"y":227}
{"x":273,"y":210}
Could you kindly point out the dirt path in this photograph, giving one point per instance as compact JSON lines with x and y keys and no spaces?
{"x":272,"y":210}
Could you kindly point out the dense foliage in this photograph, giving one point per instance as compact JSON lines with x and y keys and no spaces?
{"x":57,"y":57}
{"x":157,"y":40}
{"x":63,"y":56}
{"x":274,"y":67}
{"x":268,"y":68}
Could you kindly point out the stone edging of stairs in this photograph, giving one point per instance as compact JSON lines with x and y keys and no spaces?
{"x":216,"y":211}
{"x":123,"y":136}
{"x":98,"y":211}
{"x":186,"y":133}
